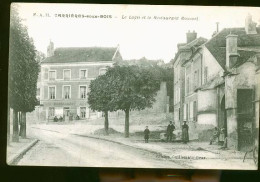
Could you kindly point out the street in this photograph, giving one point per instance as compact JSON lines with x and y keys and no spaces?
{"x":62,"y":149}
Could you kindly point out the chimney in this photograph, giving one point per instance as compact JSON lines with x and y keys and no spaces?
{"x":231,"y":50}
{"x":217,"y":23}
{"x":250,"y":26}
{"x":191,"y":36}
{"x":50,"y":49}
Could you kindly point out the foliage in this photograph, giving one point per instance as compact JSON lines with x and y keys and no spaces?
{"x":162,"y":71}
{"x":100,"y":94}
{"x":134,"y":87}
{"x":23,"y":66}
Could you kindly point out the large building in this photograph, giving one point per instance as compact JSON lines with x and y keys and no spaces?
{"x":227,"y":93}
{"x":185,"y":101}
{"x":65,"y":77}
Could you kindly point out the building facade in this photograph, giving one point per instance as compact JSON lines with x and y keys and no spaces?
{"x":185,"y":101}
{"x":65,"y":77}
{"x":227,"y":92}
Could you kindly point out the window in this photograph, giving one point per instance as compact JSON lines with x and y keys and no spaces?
{"x":195,"y":110}
{"x":205,"y":74}
{"x":66,"y":92}
{"x":188,"y":79}
{"x":51,"y":111}
{"x":184,"y":112}
{"x":196,"y":79}
{"x":45,"y":74}
{"x":83,"y":112}
{"x":52,"y":92}
{"x":179,"y":112}
{"x":188,"y":86}
{"x":102,"y":71}
{"x":191,"y":110}
{"x":52,"y":75}
{"x":66,"y":74}
{"x":83,"y":92}
{"x":83,"y":74}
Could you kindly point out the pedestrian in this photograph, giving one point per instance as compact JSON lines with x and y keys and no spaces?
{"x":146,"y":134}
{"x":215,"y":136}
{"x":185,"y":132}
{"x":170,"y":129}
{"x":55,"y":119}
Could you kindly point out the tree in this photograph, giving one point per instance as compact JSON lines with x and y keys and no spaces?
{"x":100,"y":97}
{"x":23,"y":72}
{"x":162,"y":71}
{"x":134,"y":88}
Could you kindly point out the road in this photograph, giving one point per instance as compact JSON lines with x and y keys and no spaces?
{"x":59,"y":149}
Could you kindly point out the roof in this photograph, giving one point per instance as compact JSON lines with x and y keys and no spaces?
{"x":213,"y":83}
{"x":193,"y":44}
{"x":248,"y":45}
{"x":82,"y":54}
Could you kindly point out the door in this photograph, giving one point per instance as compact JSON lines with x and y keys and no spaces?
{"x":66,"y":112}
{"x":245,"y":112}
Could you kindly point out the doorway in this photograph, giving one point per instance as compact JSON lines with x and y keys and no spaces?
{"x":245,"y":110}
{"x":223,"y":116}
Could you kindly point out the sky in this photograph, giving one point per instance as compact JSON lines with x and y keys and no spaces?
{"x":137,"y":37}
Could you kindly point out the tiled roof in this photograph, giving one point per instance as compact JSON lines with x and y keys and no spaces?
{"x":191,"y":45}
{"x":247,"y":44}
{"x":81,"y":54}
{"x":195,"y":43}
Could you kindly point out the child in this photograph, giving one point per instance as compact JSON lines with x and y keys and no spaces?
{"x":146,"y":134}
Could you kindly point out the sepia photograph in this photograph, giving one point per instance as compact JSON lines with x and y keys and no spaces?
{"x":133,"y":86}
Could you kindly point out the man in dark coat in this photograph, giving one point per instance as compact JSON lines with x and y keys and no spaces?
{"x":170,"y":129}
{"x":146,"y":134}
{"x":185,"y":132}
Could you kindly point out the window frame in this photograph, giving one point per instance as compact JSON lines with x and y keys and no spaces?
{"x":100,"y":69}
{"x":80,"y":74}
{"x":63,"y":96}
{"x":54,"y":86}
{"x":64,"y":74}
{"x":55,"y":77}
{"x":86,"y":91}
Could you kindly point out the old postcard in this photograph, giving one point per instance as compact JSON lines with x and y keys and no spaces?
{"x":134,"y":86}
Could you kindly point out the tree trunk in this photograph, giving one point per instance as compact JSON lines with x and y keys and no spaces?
{"x":15,"y":137}
{"x":106,"y":122}
{"x":23,"y":125}
{"x":127,"y":123}
{"x":19,"y":122}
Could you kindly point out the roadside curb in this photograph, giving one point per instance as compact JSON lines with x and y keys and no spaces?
{"x":14,"y":159}
{"x":139,"y":148}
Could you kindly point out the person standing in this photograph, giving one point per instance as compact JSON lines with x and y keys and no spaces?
{"x":170,"y":129}
{"x":185,"y":132}
{"x":146,"y":134}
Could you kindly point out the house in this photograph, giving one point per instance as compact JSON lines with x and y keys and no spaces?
{"x":65,"y":77}
{"x":228,"y":90}
{"x":185,"y":102}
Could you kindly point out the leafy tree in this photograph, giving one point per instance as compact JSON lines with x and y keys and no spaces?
{"x":134,"y":88}
{"x":162,"y":71}
{"x":23,"y":72}
{"x":100,"y":97}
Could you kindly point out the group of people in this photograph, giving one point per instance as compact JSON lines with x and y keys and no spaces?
{"x":169,"y":132}
{"x":218,"y":136}
{"x":56,"y":119}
